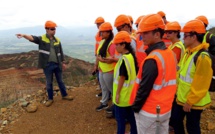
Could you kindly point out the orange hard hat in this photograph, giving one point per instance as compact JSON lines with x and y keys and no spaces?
{"x":161,"y":13}
{"x":130,"y":18}
{"x":99,"y":20}
{"x":139,"y":19}
{"x":122,"y":36}
{"x":106,"y":26}
{"x":122,"y":19}
{"x":175,"y":26}
{"x":150,"y":22}
{"x":50,"y":24}
{"x":203,"y":19}
{"x":194,"y":26}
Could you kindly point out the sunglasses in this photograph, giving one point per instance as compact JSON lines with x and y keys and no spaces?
{"x":185,"y":36}
{"x":169,"y":32}
{"x":52,"y":29}
{"x":120,"y":27}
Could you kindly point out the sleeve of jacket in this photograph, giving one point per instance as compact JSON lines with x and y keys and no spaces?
{"x":149,"y":75}
{"x":61,"y":52}
{"x":37,"y":39}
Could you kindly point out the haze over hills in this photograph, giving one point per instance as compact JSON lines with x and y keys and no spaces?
{"x":78,"y":42}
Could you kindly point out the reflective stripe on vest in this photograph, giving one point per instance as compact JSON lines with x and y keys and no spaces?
{"x":205,"y":36}
{"x":117,"y":73}
{"x":164,"y":83}
{"x":141,"y":49}
{"x":187,"y":77}
{"x":44,"y":52}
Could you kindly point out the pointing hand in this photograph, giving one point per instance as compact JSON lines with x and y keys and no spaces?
{"x":19,"y":36}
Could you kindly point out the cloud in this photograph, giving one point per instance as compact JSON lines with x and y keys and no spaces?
{"x":22,"y":13}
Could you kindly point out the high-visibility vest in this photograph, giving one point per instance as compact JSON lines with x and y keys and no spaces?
{"x":105,"y":67}
{"x":128,"y":84}
{"x":186,"y":74}
{"x":98,"y":39}
{"x":180,"y":45}
{"x":140,"y":50}
{"x":166,"y":41}
{"x":164,"y":87}
{"x":205,"y":37}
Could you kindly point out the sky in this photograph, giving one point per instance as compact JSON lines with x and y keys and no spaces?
{"x":79,"y":13}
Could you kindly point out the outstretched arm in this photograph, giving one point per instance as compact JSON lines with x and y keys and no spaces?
{"x":28,"y":37}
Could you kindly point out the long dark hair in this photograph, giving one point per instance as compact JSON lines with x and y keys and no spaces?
{"x":131,"y":50}
{"x":104,"y":47}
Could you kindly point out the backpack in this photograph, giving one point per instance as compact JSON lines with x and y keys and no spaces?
{"x":212,"y":85}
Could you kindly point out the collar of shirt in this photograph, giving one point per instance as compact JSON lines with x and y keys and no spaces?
{"x":159,"y":45}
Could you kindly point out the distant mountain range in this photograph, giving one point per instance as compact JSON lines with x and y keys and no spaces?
{"x":77,"y":42}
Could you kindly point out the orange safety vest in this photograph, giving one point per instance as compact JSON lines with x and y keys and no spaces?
{"x":140,"y":50}
{"x":98,"y":39}
{"x":164,"y":87}
{"x":166,"y":41}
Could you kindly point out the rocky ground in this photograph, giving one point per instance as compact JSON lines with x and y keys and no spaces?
{"x":28,"y":115}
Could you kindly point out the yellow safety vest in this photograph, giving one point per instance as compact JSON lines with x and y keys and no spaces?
{"x":105,"y":67}
{"x":204,"y":38}
{"x":128,"y":84}
{"x":180,"y":45}
{"x":186,"y":74}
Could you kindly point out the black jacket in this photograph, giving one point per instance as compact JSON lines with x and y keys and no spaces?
{"x":149,"y":75}
{"x":44,"y":50}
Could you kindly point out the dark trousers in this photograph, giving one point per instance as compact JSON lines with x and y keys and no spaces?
{"x":53,"y":68}
{"x":192,"y":120}
{"x":122,"y":114}
{"x":171,"y":120}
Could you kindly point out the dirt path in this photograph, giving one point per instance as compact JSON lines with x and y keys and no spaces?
{"x":65,"y":117}
{"x":77,"y":117}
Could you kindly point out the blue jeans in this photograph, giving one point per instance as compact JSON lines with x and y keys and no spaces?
{"x":192,"y":120}
{"x":53,"y":68}
{"x":122,"y":114}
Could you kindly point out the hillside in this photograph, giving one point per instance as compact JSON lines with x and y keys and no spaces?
{"x":19,"y":74}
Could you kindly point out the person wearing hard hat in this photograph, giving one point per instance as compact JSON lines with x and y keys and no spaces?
{"x":163,"y":15}
{"x":164,"y":38}
{"x":106,"y":49}
{"x":172,"y":31}
{"x":51,"y":59}
{"x":194,"y":80}
{"x":155,"y":86}
{"x":132,"y":21}
{"x":140,"y":48}
{"x":138,"y":21}
{"x":122,"y":23}
{"x":98,"y":38}
{"x":124,"y":77}
{"x":209,"y":37}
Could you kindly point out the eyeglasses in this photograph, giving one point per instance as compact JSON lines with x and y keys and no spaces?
{"x":120,"y":28}
{"x":169,"y":32}
{"x":185,"y":36}
{"x":52,"y":29}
